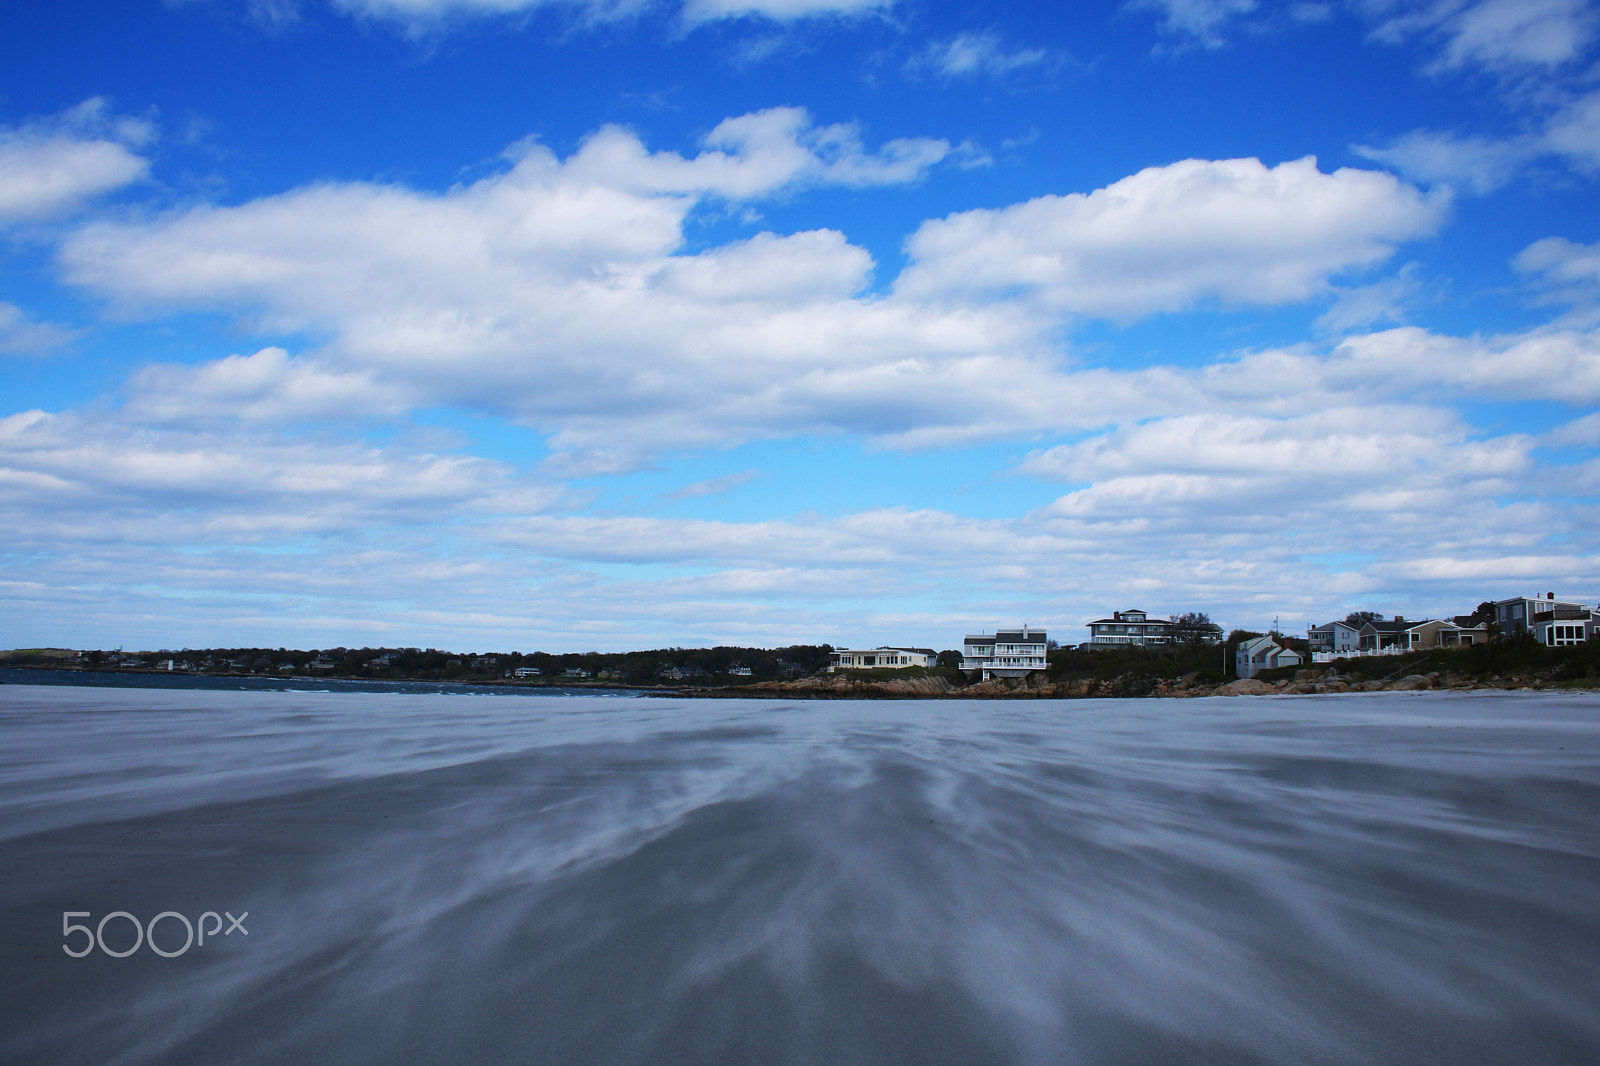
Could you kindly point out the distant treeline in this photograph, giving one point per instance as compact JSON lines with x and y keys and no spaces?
{"x":659,"y":666}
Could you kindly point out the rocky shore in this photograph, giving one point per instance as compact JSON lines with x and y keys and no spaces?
{"x":1314,"y":681}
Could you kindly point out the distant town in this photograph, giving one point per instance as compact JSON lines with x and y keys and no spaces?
{"x":1188,"y":644}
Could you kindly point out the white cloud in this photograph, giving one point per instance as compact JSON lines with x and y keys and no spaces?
{"x":1502,"y":34}
{"x":421,"y":14}
{"x":1202,"y":20}
{"x":91,"y":474}
{"x":1580,"y":432}
{"x":716,"y":486}
{"x":1475,"y":164}
{"x":781,"y":10}
{"x":1497,"y":35}
{"x":1546,"y":364}
{"x":1225,"y":511}
{"x":1365,"y":305}
{"x":552,"y":293}
{"x":51,"y":167}
{"x":556,"y":295}
{"x":970,"y":55}
{"x":269,"y":386}
{"x":1575,"y":132}
{"x":1348,"y":447}
{"x":1170,"y":237}
{"x":1566,"y":271}
{"x":19,"y":335}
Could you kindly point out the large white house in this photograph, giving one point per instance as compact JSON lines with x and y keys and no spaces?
{"x":881,"y":658}
{"x":1130,"y":627}
{"x":1138,"y":628}
{"x":1006,"y":652}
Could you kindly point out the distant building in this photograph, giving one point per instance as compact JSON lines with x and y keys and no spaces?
{"x":1381,"y":636}
{"x":1135,"y":627}
{"x":1262,"y":653}
{"x":1006,"y":652}
{"x":525,"y":671}
{"x":1130,"y":627}
{"x":884,"y":658}
{"x":1552,"y":622}
{"x":1443,"y":633}
{"x":1335,"y":638}
{"x":739,"y":671}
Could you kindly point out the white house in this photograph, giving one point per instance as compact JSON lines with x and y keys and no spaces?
{"x":1006,"y":652}
{"x":1262,"y":653}
{"x":881,"y":658}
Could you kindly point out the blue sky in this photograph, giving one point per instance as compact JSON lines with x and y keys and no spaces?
{"x":602,"y":325}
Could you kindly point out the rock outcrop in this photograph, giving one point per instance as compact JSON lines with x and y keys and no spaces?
{"x":1306,"y":682}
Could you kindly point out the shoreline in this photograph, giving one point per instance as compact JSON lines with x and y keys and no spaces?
{"x":1305,"y":682}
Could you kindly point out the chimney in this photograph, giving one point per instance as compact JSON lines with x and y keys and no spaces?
{"x":1399,"y":618}
{"x":1549,"y":595}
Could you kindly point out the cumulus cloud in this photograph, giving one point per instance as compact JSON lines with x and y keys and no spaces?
{"x":557,"y":294}
{"x":1543,"y":364}
{"x":51,"y":167}
{"x":269,"y":386}
{"x":1171,"y":237}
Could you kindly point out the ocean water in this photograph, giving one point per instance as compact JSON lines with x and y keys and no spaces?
{"x":1396,"y":878}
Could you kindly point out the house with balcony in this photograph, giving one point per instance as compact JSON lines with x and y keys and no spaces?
{"x":1006,"y":652}
{"x":1334,"y":639}
{"x":1552,"y":622}
{"x":884,"y":658}
{"x":1135,"y":627}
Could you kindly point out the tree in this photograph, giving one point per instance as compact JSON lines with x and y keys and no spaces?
{"x":1357,"y":619}
{"x":1195,"y":628}
{"x":950,"y":660}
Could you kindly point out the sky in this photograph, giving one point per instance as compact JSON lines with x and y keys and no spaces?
{"x":574,"y":325}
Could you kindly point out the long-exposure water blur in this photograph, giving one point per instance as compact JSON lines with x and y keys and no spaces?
{"x":420,"y":877}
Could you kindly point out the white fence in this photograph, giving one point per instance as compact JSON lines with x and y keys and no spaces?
{"x":1329,"y":656}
